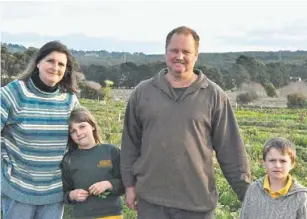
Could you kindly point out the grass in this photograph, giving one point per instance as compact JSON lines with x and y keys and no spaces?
{"x":256,"y":126}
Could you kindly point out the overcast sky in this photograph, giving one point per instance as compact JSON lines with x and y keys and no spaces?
{"x":222,"y":25}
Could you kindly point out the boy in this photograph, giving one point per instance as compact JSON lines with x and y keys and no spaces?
{"x":277,"y":194}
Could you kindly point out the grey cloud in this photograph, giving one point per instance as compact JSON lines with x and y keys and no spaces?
{"x":293,"y":35}
{"x":21,"y":10}
{"x":83,"y":42}
{"x":296,"y":28}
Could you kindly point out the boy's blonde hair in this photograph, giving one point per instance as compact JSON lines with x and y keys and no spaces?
{"x":283,"y":145}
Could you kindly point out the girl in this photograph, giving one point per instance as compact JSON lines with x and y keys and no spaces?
{"x":91,"y":175}
{"x":277,"y":195}
{"x":34,"y":132}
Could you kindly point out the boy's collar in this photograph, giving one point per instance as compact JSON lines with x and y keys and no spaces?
{"x":283,"y":191}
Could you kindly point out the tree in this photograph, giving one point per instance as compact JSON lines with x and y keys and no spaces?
{"x":297,"y":100}
{"x":213,"y":74}
{"x":228,"y":79}
{"x":300,"y":70}
{"x":239,"y":73}
{"x":270,"y":89}
{"x":247,"y":97}
{"x":129,"y":75}
{"x":256,"y":69}
{"x":279,"y":74}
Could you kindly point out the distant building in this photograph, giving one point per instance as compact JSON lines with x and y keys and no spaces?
{"x":295,"y":79}
{"x":92,"y":54}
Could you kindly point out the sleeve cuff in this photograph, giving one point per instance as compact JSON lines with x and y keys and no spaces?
{"x":67,"y":199}
{"x":128,"y":179}
{"x":118,"y":188}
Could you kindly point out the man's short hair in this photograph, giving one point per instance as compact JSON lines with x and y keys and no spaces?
{"x":183,"y":30}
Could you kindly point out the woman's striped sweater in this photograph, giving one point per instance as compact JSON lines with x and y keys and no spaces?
{"x":34,"y":133}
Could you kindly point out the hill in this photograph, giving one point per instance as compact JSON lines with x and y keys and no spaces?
{"x":216,"y":60}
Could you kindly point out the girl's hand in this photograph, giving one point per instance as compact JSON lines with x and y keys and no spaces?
{"x":78,"y":195}
{"x":100,"y":187}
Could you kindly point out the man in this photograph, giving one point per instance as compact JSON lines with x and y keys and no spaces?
{"x":173,"y":122}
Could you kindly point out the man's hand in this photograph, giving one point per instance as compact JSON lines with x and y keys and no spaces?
{"x":131,"y":197}
{"x":100,"y":187}
{"x":78,"y":195}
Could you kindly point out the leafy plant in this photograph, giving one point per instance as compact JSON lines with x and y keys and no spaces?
{"x":247,"y":97}
{"x":297,"y":100}
{"x":256,"y":126}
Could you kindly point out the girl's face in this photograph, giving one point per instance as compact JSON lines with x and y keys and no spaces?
{"x":82,"y":134}
{"x":277,"y":165}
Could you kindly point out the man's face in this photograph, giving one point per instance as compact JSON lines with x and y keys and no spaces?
{"x":181,"y":54}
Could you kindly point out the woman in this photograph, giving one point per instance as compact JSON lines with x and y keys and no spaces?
{"x":34,"y":126}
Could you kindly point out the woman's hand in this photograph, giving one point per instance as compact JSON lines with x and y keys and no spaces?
{"x":100,"y":187}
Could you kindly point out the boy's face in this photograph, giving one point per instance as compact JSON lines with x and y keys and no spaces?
{"x":277,"y":165}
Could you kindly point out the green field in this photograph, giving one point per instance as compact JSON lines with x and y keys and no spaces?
{"x":256,"y":126}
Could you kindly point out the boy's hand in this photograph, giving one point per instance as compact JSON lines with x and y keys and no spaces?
{"x":100,"y":187}
{"x":78,"y":195}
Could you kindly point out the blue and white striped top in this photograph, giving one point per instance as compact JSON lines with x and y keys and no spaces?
{"x":34,"y":133}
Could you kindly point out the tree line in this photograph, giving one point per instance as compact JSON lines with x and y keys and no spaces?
{"x":129,"y":74}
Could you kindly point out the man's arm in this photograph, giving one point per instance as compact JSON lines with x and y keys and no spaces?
{"x":131,"y":141}
{"x":130,"y":149}
{"x":229,"y":147}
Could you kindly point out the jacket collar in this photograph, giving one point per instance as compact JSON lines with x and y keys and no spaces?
{"x":161,"y":82}
{"x":296,"y":187}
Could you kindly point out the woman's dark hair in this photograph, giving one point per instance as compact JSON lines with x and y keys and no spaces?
{"x":69,"y":81}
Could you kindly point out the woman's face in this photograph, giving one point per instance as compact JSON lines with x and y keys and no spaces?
{"x":52,"y":68}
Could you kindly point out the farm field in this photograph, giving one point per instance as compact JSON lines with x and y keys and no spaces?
{"x":256,"y":126}
{"x":275,"y":102}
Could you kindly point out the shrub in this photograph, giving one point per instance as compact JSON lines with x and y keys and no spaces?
{"x":247,"y":97}
{"x":270,"y":90}
{"x":297,"y":100}
{"x":91,"y":93}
